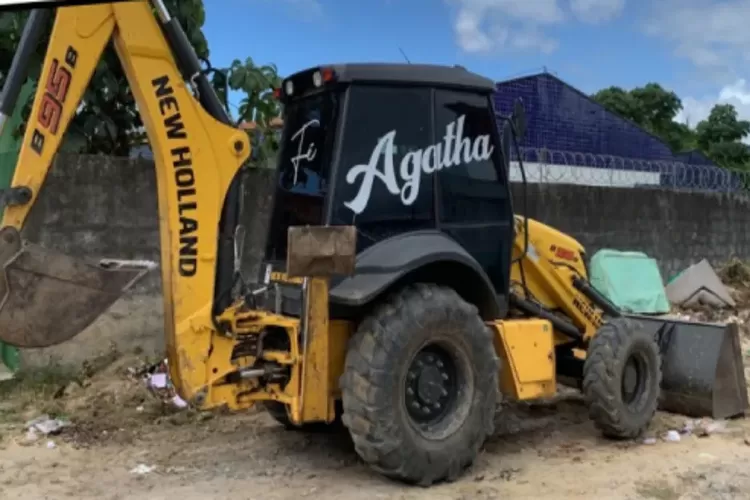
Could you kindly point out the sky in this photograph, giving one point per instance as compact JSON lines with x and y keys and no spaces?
{"x":700,"y":49}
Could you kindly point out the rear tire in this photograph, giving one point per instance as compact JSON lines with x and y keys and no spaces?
{"x":420,"y":386}
{"x":622,"y":378}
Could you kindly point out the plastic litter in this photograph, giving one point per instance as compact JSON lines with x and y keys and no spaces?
{"x":672,"y":436}
{"x":142,"y":469}
{"x":179,"y":402}
{"x":46,"y":425}
{"x":158,"y":380}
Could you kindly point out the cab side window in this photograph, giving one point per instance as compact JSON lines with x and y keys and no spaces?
{"x":380,"y":183}
{"x":469,"y":184}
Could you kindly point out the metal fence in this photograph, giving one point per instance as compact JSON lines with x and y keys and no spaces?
{"x":566,"y":167}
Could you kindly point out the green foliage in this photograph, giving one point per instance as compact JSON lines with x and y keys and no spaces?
{"x":108,"y":122}
{"x":259,"y":104}
{"x":653,"y":108}
{"x":719,"y":137}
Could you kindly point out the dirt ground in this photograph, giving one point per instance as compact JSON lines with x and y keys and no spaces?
{"x":546,"y":450}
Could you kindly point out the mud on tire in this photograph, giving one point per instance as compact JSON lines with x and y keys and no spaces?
{"x":420,"y":385}
{"x":622,"y":379}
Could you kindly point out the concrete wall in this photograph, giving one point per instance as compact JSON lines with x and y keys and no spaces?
{"x":104,"y":207}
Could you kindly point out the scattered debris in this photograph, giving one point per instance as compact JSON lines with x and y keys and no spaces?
{"x":51,"y":445}
{"x":142,"y":469}
{"x":705,"y":427}
{"x":179,"y":402}
{"x":157,"y":379}
{"x":649,"y":440}
{"x":735,"y":272}
{"x":672,"y":436}
{"x":46,"y":425}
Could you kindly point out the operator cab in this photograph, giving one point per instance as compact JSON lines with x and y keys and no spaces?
{"x":393,"y":148}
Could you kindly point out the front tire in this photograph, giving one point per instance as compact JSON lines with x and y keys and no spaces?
{"x":420,"y":386}
{"x":622,"y":378}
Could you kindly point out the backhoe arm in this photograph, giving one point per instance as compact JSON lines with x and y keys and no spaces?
{"x":48,"y":298}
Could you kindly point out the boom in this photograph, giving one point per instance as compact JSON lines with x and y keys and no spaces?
{"x":197,"y":153}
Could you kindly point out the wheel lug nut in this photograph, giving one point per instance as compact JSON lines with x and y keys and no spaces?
{"x":415,"y":405}
{"x":436,"y":406}
{"x":430,"y":359}
{"x":412,"y":375}
{"x":444,"y":392}
{"x":440,"y":364}
{"x":410,"y":391}
{"x":444,"y":375}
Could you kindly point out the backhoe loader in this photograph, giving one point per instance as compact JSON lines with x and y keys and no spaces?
{"x":400,"y":293}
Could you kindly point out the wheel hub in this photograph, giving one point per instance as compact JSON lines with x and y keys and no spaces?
{"x":430,"y":385}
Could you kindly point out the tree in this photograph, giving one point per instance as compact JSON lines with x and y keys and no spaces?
{"x":259,"y":106}
{"x":653,"y":108}
{"x":720,"y":137}
{"x":621,"y":103}
{"x":108,"y":121}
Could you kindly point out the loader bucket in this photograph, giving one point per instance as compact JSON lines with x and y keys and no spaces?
{"x":47,"y":298}
{"x":702,"y":368}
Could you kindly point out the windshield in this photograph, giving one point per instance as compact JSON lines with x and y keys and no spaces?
{"x":304,"y":164}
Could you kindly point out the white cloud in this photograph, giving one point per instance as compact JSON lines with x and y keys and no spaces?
{"x":712,"y":34}
{"x":697,"y":109}
{"x":597,"y":11}
{"x":491,"y":25}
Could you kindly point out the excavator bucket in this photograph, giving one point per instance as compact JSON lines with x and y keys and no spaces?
{"x":703,"y":372}
{"x":47,"y":298}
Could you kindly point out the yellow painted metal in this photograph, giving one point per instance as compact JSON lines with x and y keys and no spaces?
{"x":551,"y":263}
{"x":196,"y":159}
{"x":315,"y":367}
{"x":526,"y":349}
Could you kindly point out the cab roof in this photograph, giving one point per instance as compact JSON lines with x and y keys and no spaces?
{"x":416,"y":74}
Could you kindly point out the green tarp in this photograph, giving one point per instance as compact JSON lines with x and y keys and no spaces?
{"x":631,"y":280}
{"x":9,"y":148}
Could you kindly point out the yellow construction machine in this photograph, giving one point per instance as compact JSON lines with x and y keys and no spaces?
{"x":400,"y":293}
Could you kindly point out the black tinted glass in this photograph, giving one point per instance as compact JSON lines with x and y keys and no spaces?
{"x":382,"y":185}
{"x":304,"y":167}
{"x":469,"y":183}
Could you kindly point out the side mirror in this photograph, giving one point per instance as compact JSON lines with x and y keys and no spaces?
{"x":519,"y":119}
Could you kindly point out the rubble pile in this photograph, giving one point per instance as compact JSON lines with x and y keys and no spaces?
{"x":735,"y":278}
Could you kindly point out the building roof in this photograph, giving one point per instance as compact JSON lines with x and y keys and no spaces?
{"x":275,"y":123}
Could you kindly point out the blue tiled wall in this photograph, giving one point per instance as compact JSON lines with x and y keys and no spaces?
{"x":561,"y":118}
